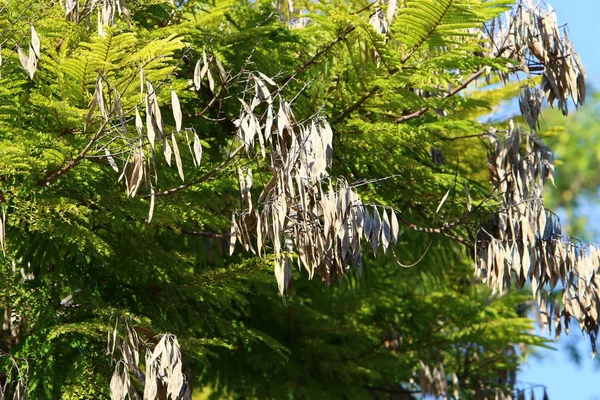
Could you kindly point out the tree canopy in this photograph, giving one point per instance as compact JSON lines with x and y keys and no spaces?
{"x":176,"y":175}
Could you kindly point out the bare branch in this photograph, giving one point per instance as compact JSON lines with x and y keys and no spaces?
{"x":318,"y":54}
{"x":46,"y":180}
{"x":203,"y":178}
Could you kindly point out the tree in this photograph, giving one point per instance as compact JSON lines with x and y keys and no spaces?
{"x":158,"y":164}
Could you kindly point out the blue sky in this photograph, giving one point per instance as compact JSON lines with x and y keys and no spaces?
{"x":583,"y":19}
{"x":555,"y":369}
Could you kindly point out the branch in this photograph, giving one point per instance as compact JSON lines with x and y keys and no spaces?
{"x":446,"y":228}
{"x":475,"y":135}
{"x":376,"y":88}
{"x":414,"y":114}
{"x":454,"y":91}
{"x":371,"y":4}
{"x":447,"y":225}
{"x":184,"y":231}
{"x":226,"y":85}
{"x":46,"y":180}
{"x":190,"y":232}
{"x":392,"y":390}
{"x":359,"y":103}
{"x":325,"y":49}
{"x":203,"y":178}
{"x":318,"y":54}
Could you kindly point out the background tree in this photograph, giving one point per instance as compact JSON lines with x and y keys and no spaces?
{"x":132,"y":131}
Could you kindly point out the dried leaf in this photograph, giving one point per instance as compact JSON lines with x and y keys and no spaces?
{"x":111,"y":160}
{"x":269,"y":123}
{"x":267,"y":79}
{"x":151,"y":210}
{"x":99,"y":93}
{"x":197,"y":149}
{"x":139,"y":125}
{"x":283,"y":273}
{"x":167,"y":151}
{"x":156,"y":116}
{"x":23,"y":58}
{"x":394,"y":227}
{"x":70,"y":5}
{"x":248,"y":183}
{"x":375,"y":230}
{"x":116,"y":385}
{"x":137,"y":173}
{"x":32,"y":63}
{"x":261,"y":91}
{"x":282,"y":120}
{"x":526,"y":263}
{"x":455,"y":386}
{"x":542,"y":222}
{"x":222,"y":73}
{"x":151,"y":384}
{"x":197,"y":76}
{"x":469,"y":202}
{"x":175,"y":382}
{"x":3,"y":232}
{"x":241,"y":182}
{"x":177,"y":157}
{"x":176,"y":110}
{"x":149,"y":123}
{"x":391,"y":9}
{"x":35,"y":42}
{"x":261,"y":142}
{"x":385,"y":231}
{"x":211,"y":81}
{"x":442,"y":201}
{"x":203,"y":71}
{"x":233,"y":234}
{"x":368,"y":224}
{"x":345,"y":233}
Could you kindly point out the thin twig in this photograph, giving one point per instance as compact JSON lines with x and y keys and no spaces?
{"x":447,"y":225}
{"x":416,"y":262}
{"x":46,"y":180}
{"x":475,"y":135}
{"x":358,"y":103}
{"x":318,"y":54}
{"x":190,"y":232}
{"x":453,"y":92}
{"x":203,"y":178}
